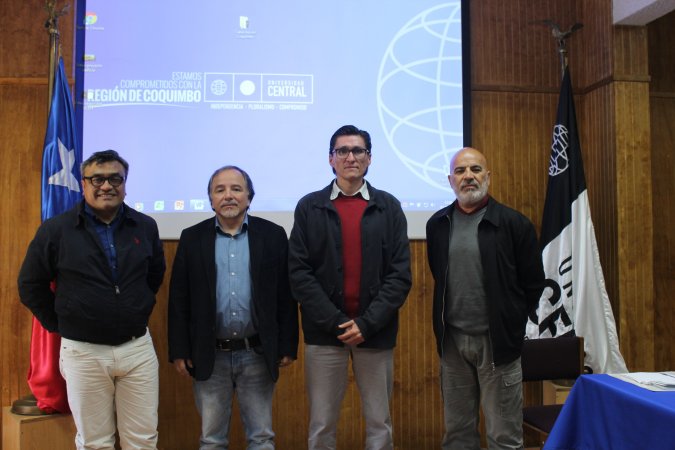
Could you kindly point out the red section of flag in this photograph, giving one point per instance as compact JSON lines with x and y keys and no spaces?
{"x":44,"y":377}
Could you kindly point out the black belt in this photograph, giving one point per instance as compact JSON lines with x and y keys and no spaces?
{"x":125,"y":339}
{"x":232,"y":345}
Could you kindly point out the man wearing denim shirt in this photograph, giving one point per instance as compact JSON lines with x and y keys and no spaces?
{"x":232,"y":322}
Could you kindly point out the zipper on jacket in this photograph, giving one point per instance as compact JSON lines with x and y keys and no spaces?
{"x":492,"y":351}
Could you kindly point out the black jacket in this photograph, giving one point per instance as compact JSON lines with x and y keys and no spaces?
{"x":315,"y":265}
{"x":513,"y":274}
{"x":192,"y":296}
{"x":87,"y":304}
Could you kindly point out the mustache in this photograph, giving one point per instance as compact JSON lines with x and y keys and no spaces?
{"x":470,"y":183}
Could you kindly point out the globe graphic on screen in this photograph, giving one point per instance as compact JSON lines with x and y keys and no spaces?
{"x":423,"y":124}
{"x":219,"y":87}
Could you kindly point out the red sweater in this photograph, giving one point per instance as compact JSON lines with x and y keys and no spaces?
{"x":350,"y":210}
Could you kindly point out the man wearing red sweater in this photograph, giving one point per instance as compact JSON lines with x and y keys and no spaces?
{"x":349,"y":264}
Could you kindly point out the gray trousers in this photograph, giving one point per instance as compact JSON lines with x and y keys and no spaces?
{"x":469,"y":380}
{"x":326,"y":369}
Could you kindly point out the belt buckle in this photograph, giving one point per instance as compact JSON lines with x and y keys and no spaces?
{"x":224,"y":345}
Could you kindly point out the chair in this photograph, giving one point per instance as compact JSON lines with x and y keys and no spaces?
{"x":550,"y":359}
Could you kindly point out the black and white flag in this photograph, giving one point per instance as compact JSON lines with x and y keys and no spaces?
{"x":575,"y":300}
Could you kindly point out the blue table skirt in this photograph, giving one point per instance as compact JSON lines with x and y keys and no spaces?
{"x":603,"y":412}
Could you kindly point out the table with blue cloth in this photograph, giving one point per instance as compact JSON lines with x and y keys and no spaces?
{"x":603,"y":412}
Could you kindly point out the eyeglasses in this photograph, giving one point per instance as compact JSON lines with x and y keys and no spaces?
{"x":98,"y":180}
{"x":358,"y":152}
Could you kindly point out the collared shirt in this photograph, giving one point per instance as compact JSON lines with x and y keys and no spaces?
{"x":233,"y":285}
{"x":106,"y":235}
{"x":363,"y":190}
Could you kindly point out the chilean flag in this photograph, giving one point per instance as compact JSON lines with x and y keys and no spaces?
{"x":61,"y":159}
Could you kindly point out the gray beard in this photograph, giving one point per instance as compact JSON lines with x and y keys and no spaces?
{"x":473,"y":197}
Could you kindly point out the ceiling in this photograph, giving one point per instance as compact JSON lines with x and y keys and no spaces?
{"x":640,"y":12}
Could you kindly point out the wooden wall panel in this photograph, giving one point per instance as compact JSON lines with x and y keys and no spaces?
{"x":662,"y":106}
{"x":512,"y":48}
{"x":634,"y":200}
{"x":631,"y":60}
{"x":592,"y":59}
{"x":178,"y":419}
{"x":417,"y":407}
{"x":24,"y":47}
{"x":661,"y":55}
{"x":22,"y":119}
{"x":663,"y":180}
{"x":634,"y":232}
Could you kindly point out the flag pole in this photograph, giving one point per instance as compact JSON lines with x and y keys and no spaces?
{"x":28,"y":405}
{"x":52,"y":25}
{"x":575,"y":300}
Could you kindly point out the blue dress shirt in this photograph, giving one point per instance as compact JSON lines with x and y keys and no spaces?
{"x":106,"y":235}
{"x":233,"y":285}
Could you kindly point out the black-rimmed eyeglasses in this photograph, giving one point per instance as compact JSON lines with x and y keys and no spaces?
{"x":358,"y":152}
{"x":98,"y":180}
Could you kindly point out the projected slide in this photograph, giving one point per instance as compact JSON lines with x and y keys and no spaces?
{"x":182,"y":88}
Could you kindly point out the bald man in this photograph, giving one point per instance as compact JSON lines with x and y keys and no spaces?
{"x":488,"y":275}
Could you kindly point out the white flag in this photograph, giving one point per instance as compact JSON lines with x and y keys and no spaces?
{"x":575,"y":300}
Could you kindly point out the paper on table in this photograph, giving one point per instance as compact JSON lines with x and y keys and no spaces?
{"x":654,"y":381}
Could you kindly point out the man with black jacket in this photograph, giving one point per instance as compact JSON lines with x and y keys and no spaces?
{"x":106,"y":262}
{"x":488,"y":275}
{"x":349,"y":265}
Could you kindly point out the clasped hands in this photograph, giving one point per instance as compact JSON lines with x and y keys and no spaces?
{"x":352,"y":334}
